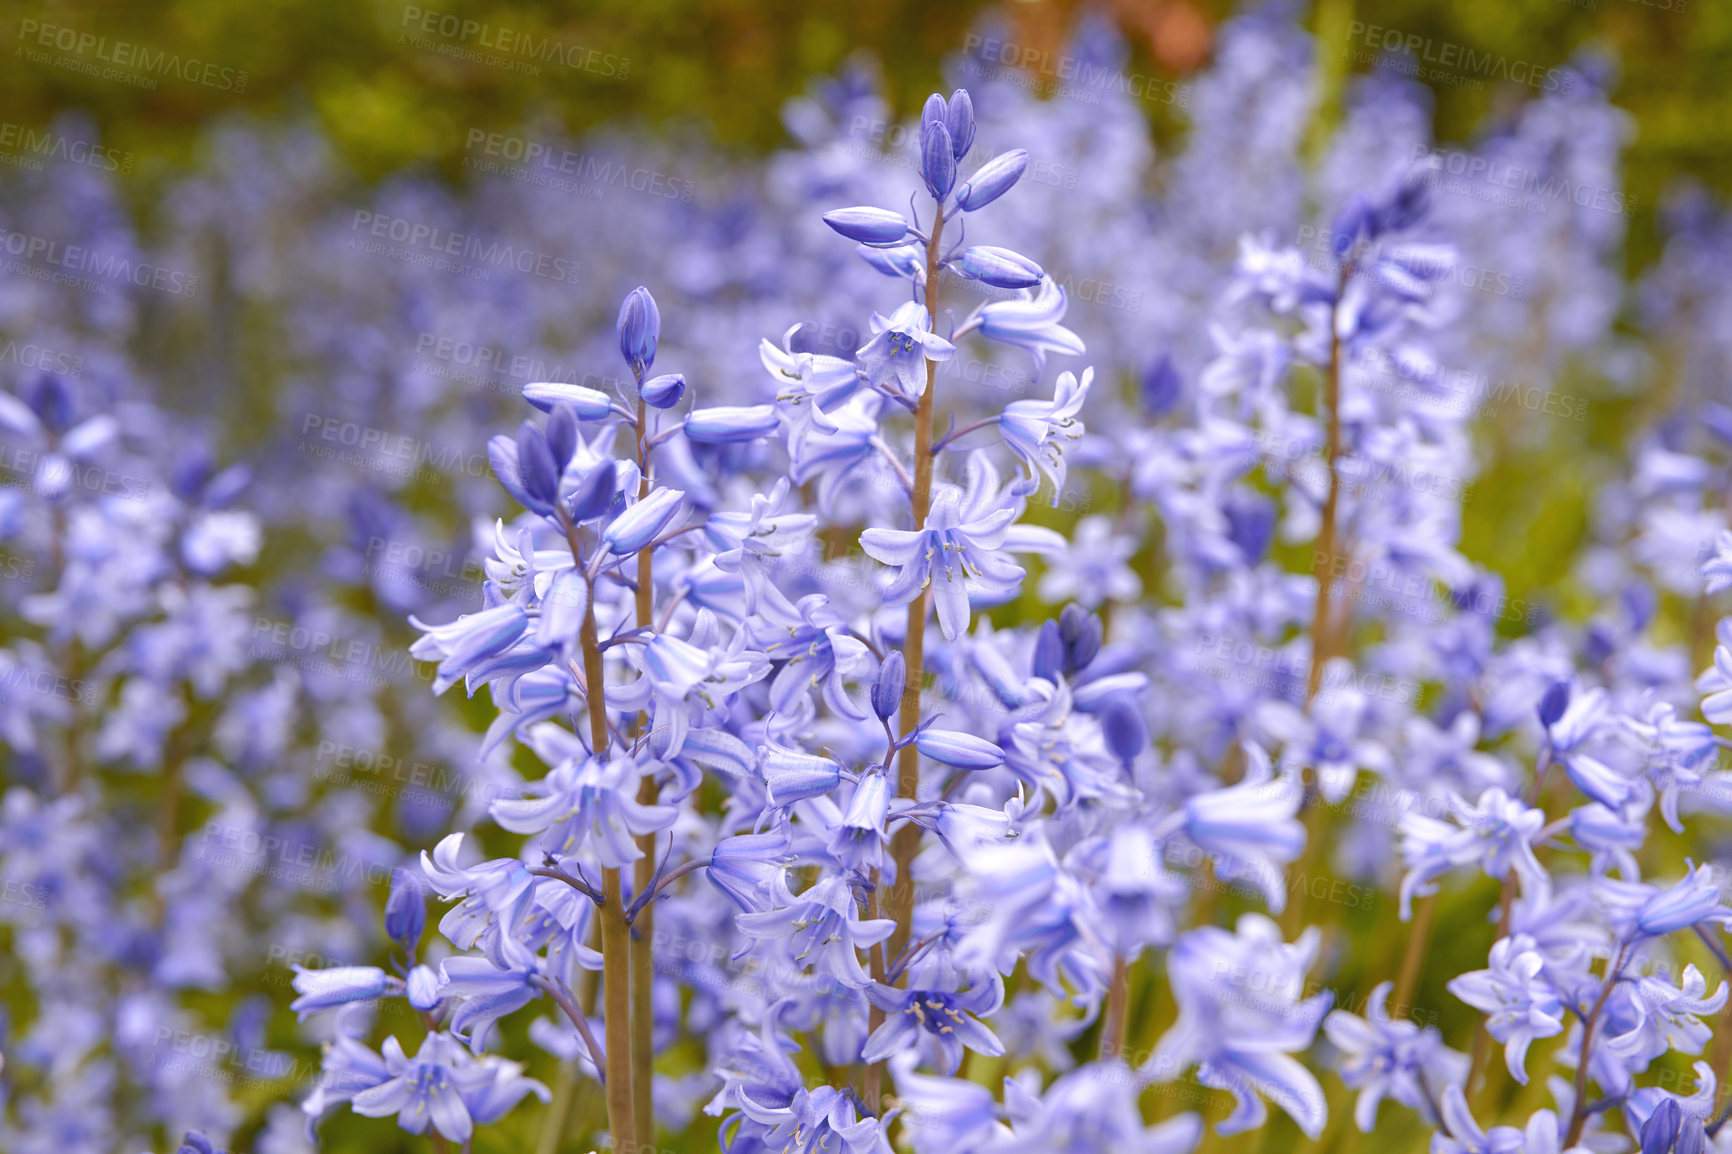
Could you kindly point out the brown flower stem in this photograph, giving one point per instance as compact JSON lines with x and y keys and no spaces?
{"x":1117,"y":1013}
{"x":643,"y":874}
{"x":906,"y":841}
{"x":615,"y":933}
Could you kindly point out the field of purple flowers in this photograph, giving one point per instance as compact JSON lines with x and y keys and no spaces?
{"x":971,"y":634}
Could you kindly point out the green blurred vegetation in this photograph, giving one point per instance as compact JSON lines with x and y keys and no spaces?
{"x":727,"y":66}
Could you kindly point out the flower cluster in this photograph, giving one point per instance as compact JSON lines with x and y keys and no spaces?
{"x":974,"y":712}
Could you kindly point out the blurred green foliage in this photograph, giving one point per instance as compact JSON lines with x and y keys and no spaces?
{"x":375,"y":76}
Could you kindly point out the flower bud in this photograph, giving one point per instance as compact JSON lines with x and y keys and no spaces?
{"x":536,"y":470}
{"x":638,"y":525}
{"x":588,"y":404}
{"x":562,"y":436}
{"x":405,"y":910}
{"x":959,"y":119}
{"x":873,"y":226}
{"x":1125,"y":732}
{"x":1554,"y":703}
{"x":905,"y":261}
{"x":423,"y":988}
{"x":1049,"y":653}
{"x":937,"y":159}
{"x":957,"y":749}
{"x":887,"y":690}
{"x":1660,"y":1132}
{"x":640,"y":330}
{"x":731,"y":424}
{"x":52,"y":401}
{"x":993,"y":179}
{"x":663,"y":392}
{"x":1081,"y":632}
{"x":596,"y":492}
{"x":998,"y":267}
{"x":1161,"y":386}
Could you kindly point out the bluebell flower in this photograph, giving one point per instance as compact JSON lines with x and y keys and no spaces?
{"x":752,"y":871}
{"x":1716,"y":681}
{"x":817,"y":650}
{"x":1462,"y":1135}
{"x":586,"y":803}
{"x":1251,"y":828}
{"x":950,"y":1019}
{"x":1241,"y":1016}
{"x":486,"y":991}
{"x":664,"y":391}
{"x":824,"y":929}
{"x":1030,"y":323}
{"x":329,"y":989}
{"x":1137,"y":896}
{"x":405,"y":910}
{"x":1520,"y":1000}
{"x":902,"y":345}
{"x":943,"y":1115}
{"x":1384,"y":1057}
{"x":1497,"y":832}
{"x":1666,"y":1018}
{"x":808,"y":383}
{"x":1693,"y":900}
{"x":960,"y":543}
{"x":792,"y":777}
{"x":959,"y":750}
{"x":1037,"y":431}
{"x":937,"y":157}
{"x":1088,"y":1110}
{"x":1572,"y":737}
{"x":858,"y":840}
{"x":462,"y":645}
{"x":429,"y":1089}
{"x":1717,"y":569}
{"x":1698,"y":1107}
